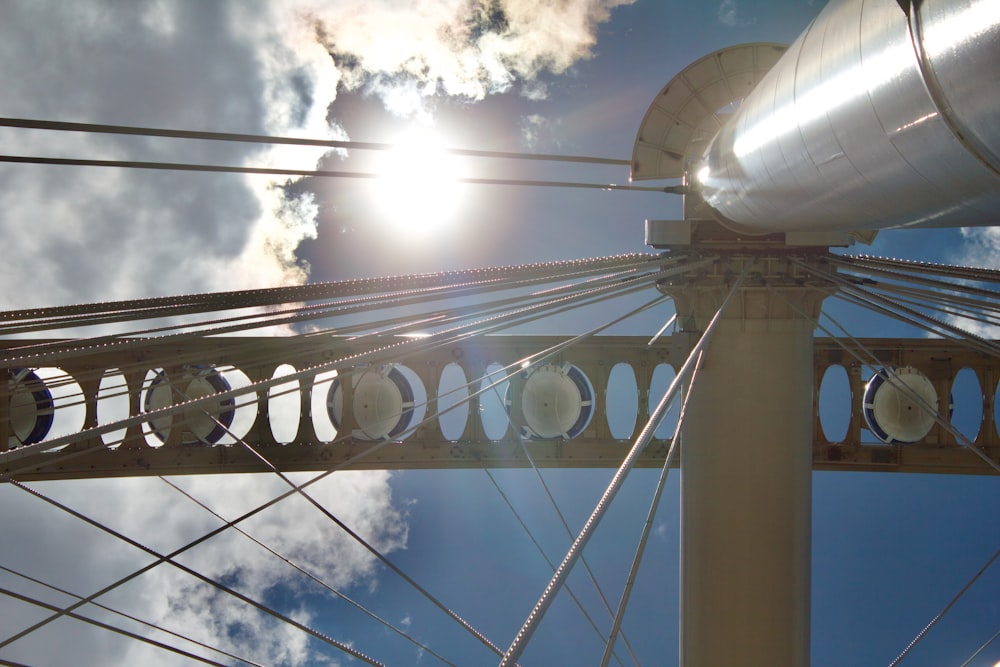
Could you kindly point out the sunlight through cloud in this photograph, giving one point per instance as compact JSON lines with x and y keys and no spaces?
{"x":418,"y":193}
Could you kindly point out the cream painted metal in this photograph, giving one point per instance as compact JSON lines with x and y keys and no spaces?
{"x":746,"y":476}
{"x":692,"y":108}
{"x":426,"y":446}
{"x":746,"y":499}
{"x":875,"y":117}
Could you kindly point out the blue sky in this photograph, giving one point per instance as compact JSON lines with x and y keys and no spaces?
{"x":888,"y":550}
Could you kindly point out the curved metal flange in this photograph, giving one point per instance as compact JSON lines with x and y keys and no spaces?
{"x":690,"y":109}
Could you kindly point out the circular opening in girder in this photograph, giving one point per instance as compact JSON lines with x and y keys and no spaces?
{"x":323,"y":425}
{"x":663,"y":376}
{"x":492,"y":411}
{"x":967,"y":399}
{"x":453,"y":401}
{"x":202,"y":424}
{"x":112,"y":405}
{"x":622,"y":401}
{"x":835,"y":403}
{"x":283,"y":406}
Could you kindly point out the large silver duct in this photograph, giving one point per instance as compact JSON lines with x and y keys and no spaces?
{"x":877,"y":116}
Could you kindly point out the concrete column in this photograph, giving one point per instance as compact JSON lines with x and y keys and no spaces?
{"x":746,"y":487}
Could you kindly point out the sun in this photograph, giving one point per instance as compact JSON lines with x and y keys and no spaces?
{"x":417,"y":191}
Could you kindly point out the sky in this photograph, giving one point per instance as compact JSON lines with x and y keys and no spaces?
{"x":569,"y":77}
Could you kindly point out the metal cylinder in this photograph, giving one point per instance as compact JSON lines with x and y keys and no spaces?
{"x":877,"y":116}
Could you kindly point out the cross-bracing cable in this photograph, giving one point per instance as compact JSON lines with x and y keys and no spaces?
{"x":650,"y":516}
{"x":532,"y":359}
{"x":517,"y":646}
{"x":200,"y":539}
{"x":559,"y":347}
{"x":260,"y":606}
{"x":980,"y":649}
{"x":893,"y":378}
{"x":548,"y":561}
{"x":951,"y":603}
{"x":130,"y":617}
{"x":871,"y":360}
{"x":549,"y":352}
{"x":300,"y":569}
{"x":111,"y":628}
{"x":284,"y":378}
{"x":583,"y":559}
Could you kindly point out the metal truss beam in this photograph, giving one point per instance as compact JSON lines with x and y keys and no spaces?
{"x":427,"y":448}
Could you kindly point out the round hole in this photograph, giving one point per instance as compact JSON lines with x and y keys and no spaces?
{"x":283,"y":406}
{"x":453,"y":401}
{"x":835,"y":403}
{"x":622,"y":402}
{"x":663,"y":376}
{"x":492,"y":411}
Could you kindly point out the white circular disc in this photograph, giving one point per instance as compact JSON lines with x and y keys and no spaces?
{"x":551,"y":402}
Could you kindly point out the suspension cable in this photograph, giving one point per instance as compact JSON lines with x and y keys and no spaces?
{"x":409,"y":346}
{"x":980,"y":649}
{"x":320,"y":173}
{"x":896,"y":382}
{"x":967,"y":337}
{"x":346,"y":648}
{"x":282,"y":379}
{"x":112,"y":628}
{"x":330,"y":290}
{"x":650,"y":516}
{"x":534,"y":618}
{"x":33,"y":124}
{"x":952,"y":271}
{"x":945,"y":610}
{"x":130,"y":617}
{"x":32,"y":354}
{"x":323,"y":343}
{"x":541,"y":551}
{"x":298,"y":568}
{"x":920,"y":279}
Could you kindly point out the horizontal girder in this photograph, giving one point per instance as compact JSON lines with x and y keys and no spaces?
{"x":171,"y":446}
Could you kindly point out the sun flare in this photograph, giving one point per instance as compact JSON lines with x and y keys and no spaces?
{"x":417,"y":192}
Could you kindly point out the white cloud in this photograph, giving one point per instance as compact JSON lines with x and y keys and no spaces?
{"x":730,"y":14}
{"x":727,"y":13}
{"x":981,"y":247}
{"x":89,"y":234}
{"x":539,"y":133}
{"x":461,"y":48}
{"x":86,"y":234}
{"x":151,"y":512}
